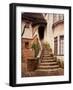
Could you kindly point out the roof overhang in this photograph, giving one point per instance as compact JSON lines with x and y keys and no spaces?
{"x":35,"y":18}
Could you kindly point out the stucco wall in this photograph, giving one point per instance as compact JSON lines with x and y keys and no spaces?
{"x":49,"y":35}
{"x":58,"y":31}
{"x":61,"y":58}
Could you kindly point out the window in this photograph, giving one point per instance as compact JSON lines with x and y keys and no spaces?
{"x":55,"y":45}
{"x":27,"y":45}
{"x":55,"y":18}
{"x":61,"y":17}
{"x":61,"y":45}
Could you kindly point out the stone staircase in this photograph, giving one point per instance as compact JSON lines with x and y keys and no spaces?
{"x":48,"y":64}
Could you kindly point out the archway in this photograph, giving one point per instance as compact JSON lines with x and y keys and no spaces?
{"x":41,"y":32}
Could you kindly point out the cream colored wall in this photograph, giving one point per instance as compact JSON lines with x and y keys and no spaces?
{"x":61,"y":58}
{"x":59,"y":30}
{"x":49,"y":35}
{"x":28,"y":31}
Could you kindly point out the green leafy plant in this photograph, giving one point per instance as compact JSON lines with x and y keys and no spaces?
{"x":47,"y":45}
{"x":36,"y":48}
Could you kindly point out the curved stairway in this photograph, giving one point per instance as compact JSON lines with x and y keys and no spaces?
{"x":48,"y":65}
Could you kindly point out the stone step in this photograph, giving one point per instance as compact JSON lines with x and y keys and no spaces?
{"x":48,"y":67}
{"x":47,"y":58}
{"x":47,"y":72}
{"x":46,"y":61}
{"x":49,"y":63}
{"x":46,"y":55}
{"x":45,"y":51}
{"x":55,"y":69}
